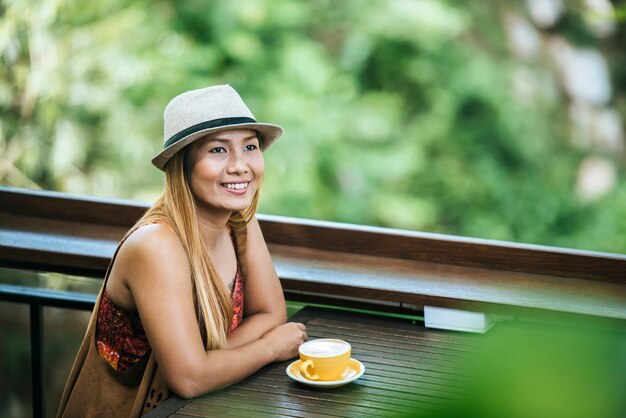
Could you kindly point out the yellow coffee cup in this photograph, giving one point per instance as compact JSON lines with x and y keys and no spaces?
{"x":324,"y":358}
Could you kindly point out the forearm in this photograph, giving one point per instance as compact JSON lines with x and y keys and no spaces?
{"x":203,"y":371}
{"x":222,"y":368}
{"x":254,"y":327}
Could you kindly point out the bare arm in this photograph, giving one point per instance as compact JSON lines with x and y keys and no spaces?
{"x":157,"y":274}
{"x":264,"y":301}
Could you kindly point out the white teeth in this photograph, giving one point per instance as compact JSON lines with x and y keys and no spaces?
{"x":236,"y":186}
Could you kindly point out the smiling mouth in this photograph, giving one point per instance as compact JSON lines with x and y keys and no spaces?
{"x":236,"y":186}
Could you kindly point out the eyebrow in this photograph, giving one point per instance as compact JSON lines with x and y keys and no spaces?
{"x":224,"y":140}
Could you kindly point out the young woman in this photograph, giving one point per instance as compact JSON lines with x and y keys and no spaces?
{"x":191,"y":302}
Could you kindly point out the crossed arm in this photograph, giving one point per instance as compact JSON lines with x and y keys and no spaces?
{"x":157,"y":274}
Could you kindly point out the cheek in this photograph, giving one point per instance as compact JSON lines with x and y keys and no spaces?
{"x":194,"y":185}
{"x":258,"y":165}
{"x":201,"y":174}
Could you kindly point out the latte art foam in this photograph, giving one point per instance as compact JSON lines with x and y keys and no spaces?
{"x":324,"y":348}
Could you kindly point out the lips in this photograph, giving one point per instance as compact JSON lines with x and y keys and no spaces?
{"x":237,"y":186}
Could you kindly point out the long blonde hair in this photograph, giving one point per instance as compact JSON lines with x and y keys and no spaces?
{"x":177,"y":209}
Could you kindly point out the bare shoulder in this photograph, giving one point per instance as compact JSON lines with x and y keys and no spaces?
{"x":152,"y":249}
{"x":151,"y":255}
{"x":256,"y":246}
{"x":152,"y":239}
{"x":253,"y":229}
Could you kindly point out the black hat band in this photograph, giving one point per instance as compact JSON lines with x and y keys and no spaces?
{"x":215,"y":123}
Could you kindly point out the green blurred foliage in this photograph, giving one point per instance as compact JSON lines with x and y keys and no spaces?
{"x":397,"y":113}
{"x":532,"y":370}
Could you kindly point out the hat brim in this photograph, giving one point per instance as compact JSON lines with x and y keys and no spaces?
{"x":268,"y":134}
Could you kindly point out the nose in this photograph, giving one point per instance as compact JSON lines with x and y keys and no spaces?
{"x":238,"y":164}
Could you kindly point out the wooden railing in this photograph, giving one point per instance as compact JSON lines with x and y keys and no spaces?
{"x":372,"y":267}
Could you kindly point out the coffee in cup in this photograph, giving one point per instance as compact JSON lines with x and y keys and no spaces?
{"x":324,"y":358}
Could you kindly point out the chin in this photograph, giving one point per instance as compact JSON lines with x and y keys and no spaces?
{"x":239,"y":207}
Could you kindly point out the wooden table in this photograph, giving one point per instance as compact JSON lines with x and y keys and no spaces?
{"x":409,"y":369}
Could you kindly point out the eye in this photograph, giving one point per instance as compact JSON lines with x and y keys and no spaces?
{"x":251,"y":147}
{"x":217,"y":150}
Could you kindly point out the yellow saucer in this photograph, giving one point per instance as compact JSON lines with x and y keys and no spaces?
{"x":353,"y":371}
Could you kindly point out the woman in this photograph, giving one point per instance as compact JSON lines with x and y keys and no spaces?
{"x":191,"y":302}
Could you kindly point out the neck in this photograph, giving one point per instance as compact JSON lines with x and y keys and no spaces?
{"x":212,"y":225}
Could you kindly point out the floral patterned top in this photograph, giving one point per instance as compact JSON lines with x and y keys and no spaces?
{"x":121,"y":339}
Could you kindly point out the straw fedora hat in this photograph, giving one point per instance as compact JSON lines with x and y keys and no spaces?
{"x":196,"y":113}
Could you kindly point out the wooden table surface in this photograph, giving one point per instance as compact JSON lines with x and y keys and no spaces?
{"x":409,"y":369}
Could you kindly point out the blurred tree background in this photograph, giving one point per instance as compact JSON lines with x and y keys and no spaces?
{"x":492,"y":119}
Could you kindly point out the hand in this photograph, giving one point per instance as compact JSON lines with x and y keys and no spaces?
{"x":284,"y":340}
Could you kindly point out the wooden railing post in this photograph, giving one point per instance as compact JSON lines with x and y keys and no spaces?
{"x":36,"y":355}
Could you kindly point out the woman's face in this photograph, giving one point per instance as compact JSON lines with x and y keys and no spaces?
{"x":225,"y":169}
